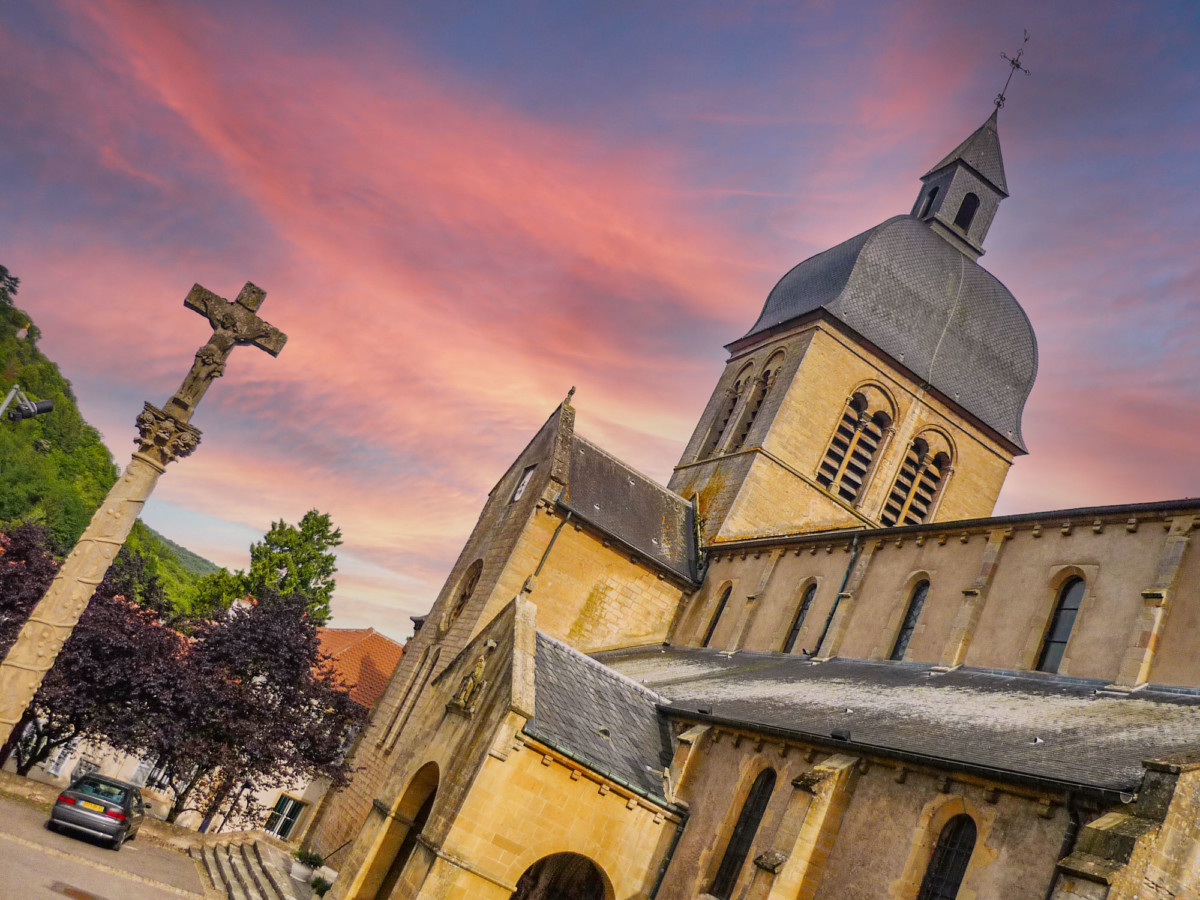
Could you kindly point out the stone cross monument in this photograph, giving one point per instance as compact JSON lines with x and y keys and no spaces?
{"x":164,"y":435}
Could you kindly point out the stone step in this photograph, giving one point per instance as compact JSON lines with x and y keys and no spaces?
{"x":219,"y":863}
{"x":275,"y":868}
{"x":251,"y":870}
{"x":252,"y":863}
{"x":241,"y":874}
{"x":207,"y":875}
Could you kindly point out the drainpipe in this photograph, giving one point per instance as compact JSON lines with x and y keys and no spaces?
{"x":1068,"y":843}
{"x":662,"y":870}
{"x":550,"y":545}
{"x":837,"y":599}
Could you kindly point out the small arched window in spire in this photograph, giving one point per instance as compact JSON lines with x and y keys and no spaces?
{"x":759,"y":394}
{"x":919,"y":482}
{"x":742,"y":838}
{"x":1070,"y":597}
{"x":966,"y":212}
{"x":950,"y":858}
{"x":466,"y":590}
{"x":927,"y":206}
{"x":848,"y":461}
{"x":716,"y":617}
{"x":728,"y":405}
{"x":797,"y":623}
{"x":911,"y":615}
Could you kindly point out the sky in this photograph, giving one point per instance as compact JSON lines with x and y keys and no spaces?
{"x":459,"y":210}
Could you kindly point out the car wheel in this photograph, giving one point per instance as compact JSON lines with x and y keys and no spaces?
{"x":117,"y":842}
{"x":131,"y":835}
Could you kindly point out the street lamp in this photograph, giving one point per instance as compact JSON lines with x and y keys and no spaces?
{"x":25,"y":408}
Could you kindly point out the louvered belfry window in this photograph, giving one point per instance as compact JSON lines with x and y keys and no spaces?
{"x":946,"y":869}
{"x":721,"y":425}
{"x":742,"y":838}
{"x":917,"y":484}
{"x":848,"y":460}
{"x":758,"y":395}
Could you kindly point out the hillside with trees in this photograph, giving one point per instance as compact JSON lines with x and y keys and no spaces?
{"x":54,"y":468}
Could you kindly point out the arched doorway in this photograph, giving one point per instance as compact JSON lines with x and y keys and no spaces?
{"x":395,"y":846}
{"x":563,"y":876}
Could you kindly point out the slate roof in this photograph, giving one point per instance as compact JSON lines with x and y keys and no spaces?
{"x":1027,"y":725}
{"x":629,"y":506}
{"x":981,"y":151}
{"x":576,"y":697}
{"x":363,"y":658}
{"x":921,"y":301}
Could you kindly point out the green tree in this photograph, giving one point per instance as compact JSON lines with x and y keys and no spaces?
{"x":8,"y":286}
{"x":55,"y":469}
{"x":290,"y":560}
{"x":297,"y":560}
{"x":215,"y":592}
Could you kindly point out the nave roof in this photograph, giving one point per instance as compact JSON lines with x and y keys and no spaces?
{"x":1023,"y":726}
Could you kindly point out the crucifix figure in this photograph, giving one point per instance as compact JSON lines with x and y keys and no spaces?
{"x":164,"y":435}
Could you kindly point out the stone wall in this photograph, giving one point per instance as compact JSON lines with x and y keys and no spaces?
{"x":854,"y":827}
{"x":769,"y":486}
{"x":993,"y":588}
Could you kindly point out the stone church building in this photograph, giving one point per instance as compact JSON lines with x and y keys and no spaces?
{"x":813,"y":665}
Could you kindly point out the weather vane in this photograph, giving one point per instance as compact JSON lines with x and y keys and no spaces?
{"x":1015,"y":66}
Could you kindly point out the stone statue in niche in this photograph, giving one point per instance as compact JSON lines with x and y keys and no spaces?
{"x":472,"y":684}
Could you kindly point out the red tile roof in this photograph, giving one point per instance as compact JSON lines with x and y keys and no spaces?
{"x":363,"y":658}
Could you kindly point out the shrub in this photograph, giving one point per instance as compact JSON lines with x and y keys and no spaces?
{"x":309,"y":858}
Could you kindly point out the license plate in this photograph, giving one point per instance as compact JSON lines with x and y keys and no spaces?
{"x":86,"y":804}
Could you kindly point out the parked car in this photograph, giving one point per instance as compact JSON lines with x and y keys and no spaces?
{"x":99,"y":806}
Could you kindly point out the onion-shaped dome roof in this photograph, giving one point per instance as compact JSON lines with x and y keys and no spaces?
{"x":928,"y":306}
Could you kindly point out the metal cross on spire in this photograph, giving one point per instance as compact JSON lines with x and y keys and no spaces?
{"x":1015,"y":66}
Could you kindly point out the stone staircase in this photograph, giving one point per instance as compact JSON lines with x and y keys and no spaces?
{"x":249,"y":869}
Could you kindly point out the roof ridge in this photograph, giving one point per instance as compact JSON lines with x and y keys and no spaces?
{"x":384,"y":637}
{"x":602,"y":669}
{"x":361,"y":635}
{"x":642,"y":475}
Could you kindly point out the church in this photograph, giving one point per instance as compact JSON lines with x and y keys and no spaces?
{"x":814,"y":665}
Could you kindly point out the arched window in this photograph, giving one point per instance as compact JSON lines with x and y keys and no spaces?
{"x":721,"y":423}
{"x":1070,"y":596}
{"x":798,"y":622}
{"x":761,"y":388}
{"x":928,"y":204}
{"x":848,"y":461}
{"x":466,"y":589}
{"x":966,"y":212}
{"x":911,"y":615}
{"x":919,"y":482}
{"x":742,"y":838}
{"x":716,"y":618}
{"x":948,"y":865}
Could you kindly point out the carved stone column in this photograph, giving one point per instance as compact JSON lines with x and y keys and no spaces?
{"x":163,"y":436}
{"x":161,"y":440}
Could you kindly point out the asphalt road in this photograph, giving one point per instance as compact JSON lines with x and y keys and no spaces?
{"x":36,"y":864}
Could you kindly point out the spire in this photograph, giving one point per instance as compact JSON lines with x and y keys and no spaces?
{"x":980,"y":151}
{"x":960,"y":195}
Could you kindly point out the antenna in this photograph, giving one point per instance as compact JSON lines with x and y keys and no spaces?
{"x":1015,"y":66}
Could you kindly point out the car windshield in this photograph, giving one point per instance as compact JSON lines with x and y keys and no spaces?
{"x":109,"y":792}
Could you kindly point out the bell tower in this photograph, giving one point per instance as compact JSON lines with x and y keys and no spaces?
{"x":883,"y":382}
